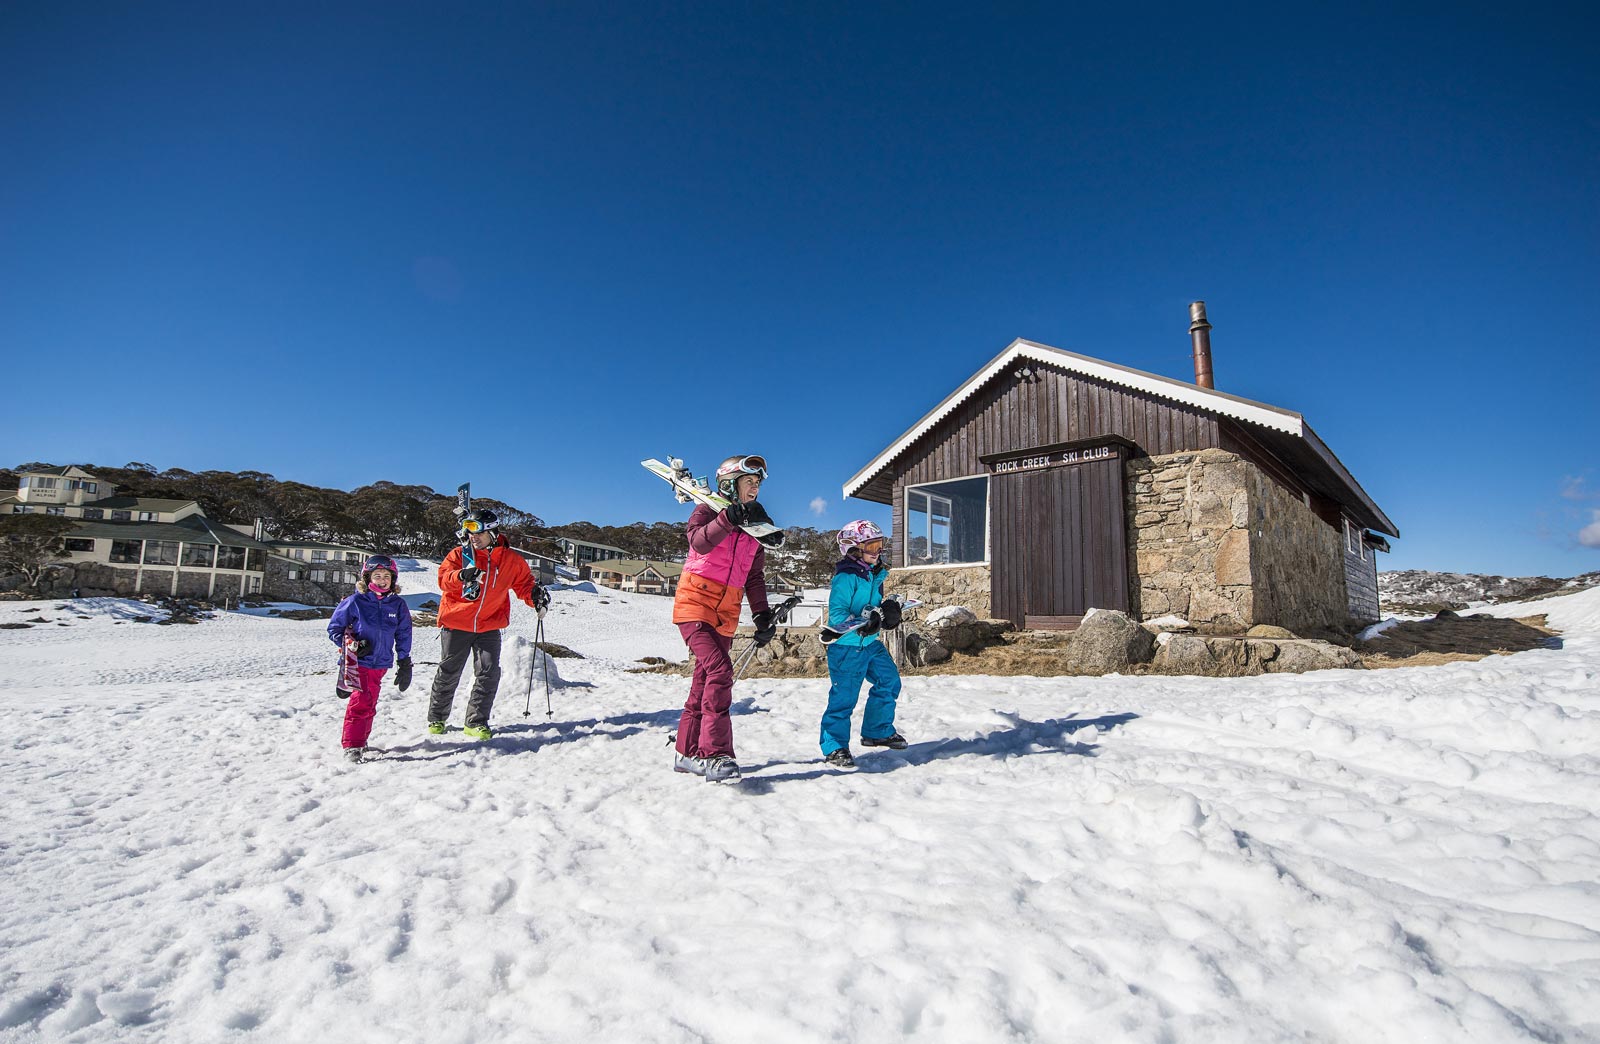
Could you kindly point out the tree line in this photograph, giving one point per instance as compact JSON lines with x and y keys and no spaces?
{"x":410,"y":520}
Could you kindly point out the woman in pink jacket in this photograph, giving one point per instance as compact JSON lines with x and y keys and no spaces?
{"x":724,"y":563}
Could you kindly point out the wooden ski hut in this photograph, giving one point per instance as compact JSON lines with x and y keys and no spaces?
{"x":1050,"y":483}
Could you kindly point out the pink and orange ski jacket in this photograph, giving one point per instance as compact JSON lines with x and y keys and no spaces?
{"x":724,"y":562}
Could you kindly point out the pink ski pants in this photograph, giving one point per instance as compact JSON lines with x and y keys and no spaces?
{"x":705,"y":730}
{"x":363,"y":705}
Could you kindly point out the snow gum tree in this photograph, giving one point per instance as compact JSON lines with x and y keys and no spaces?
{"x":29,"y":544}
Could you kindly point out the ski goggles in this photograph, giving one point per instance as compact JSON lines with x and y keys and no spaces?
{"x":473,"y":525}
{"x":754,"y":464}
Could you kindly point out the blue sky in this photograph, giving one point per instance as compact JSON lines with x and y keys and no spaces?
{"x":529,"y":246}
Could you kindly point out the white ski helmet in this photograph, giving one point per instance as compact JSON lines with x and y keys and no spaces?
{"x":728,"y":471}
{"x":857,"y":533}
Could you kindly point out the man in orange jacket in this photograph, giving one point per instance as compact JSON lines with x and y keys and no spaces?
{"x":472,"y":628}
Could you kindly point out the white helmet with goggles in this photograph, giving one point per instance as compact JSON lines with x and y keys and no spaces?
{"x":729,"y":471}
{"x":861,"y":531}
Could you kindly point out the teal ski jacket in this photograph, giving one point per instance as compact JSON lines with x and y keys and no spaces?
{"x":855,"y":589}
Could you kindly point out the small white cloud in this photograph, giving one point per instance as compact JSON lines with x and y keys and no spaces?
{"x":1575,"y":487}
{"x":818,"y":505}
{"x":1589,"y":535}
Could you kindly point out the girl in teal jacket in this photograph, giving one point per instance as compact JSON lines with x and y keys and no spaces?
{"x":857,"y":593}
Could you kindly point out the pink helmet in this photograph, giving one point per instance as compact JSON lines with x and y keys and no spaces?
{"x":856,"y":533}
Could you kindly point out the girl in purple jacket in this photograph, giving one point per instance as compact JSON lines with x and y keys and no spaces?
{"x":378,"y":622}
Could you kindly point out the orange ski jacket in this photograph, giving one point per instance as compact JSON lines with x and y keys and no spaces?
{"x":504,"y":573}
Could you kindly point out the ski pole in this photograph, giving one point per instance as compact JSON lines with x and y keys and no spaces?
{"x":744,"y":660}
{"x":538,"y":640}
{"x":549,"y":711}
{"x":779,"y":615}
{"x":527,"y":704}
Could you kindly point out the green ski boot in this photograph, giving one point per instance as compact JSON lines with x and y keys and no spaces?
{"x":477,"y":732}
{"x":436,"y":728}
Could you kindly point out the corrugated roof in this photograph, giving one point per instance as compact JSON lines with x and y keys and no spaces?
{"x":196,"y":529}
{"x":140,"y":503}
{"x":1287,"y":426}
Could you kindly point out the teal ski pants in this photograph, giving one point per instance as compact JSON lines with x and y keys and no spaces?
{"x":848,"y":667}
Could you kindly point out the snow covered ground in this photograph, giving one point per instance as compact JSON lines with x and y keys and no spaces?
{"x":1399,"y":855}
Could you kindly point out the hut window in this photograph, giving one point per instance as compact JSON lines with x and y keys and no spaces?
{"x":946,"y":522}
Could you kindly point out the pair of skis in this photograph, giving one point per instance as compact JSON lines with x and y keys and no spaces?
{"x":349,"y":666}
{"x":829,"y":635}
{"x":469,"y":591}
{"x":699,"y":490}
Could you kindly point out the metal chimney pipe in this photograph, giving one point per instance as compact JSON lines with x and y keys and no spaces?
{"x":1200,"y":334}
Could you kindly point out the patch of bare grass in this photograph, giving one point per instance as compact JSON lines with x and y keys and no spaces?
{"x":1427,"y":643}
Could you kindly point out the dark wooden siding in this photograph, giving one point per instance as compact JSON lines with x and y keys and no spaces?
{"x":1060,"y":406}
{"x":1059,"y":541}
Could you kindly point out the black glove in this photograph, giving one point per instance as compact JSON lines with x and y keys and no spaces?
{"x":402,"y":675}
{"x":541,"y":598}
{"x":891,"y":614}
{"x":873,"y":625}
{"x":468,"y":574}
{"x":363,"y":648}
{"x":751,"y":514}
{"x":766,"y":627}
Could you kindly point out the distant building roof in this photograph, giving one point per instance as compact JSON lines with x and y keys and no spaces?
{"x":140,"y":503}
{"x":592,"y":543}
{"x":635,"y":566}
{"x":313,"y":545}
{"x":196,"y":529}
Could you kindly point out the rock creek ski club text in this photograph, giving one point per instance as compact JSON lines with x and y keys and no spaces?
{"x":1046,"y":460}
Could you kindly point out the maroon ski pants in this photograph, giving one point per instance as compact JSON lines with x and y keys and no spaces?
{"x":705,"y":730}
{"x":363,"y":705}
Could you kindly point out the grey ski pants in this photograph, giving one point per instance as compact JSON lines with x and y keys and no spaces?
{"x":454,"y":648}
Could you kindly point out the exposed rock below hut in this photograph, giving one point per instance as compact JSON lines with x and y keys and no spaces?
{"x":1108,"y":642}
{"x":955,"y":627}
{"x":922,"y":650}
{"x":1240,"y":657}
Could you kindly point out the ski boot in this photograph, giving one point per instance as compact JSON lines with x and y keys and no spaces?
{"x":436,"y":728}
{"x":840,"y":758}
{"x":355,"y":755}
{"x":685,"y":762}
{"x":722,"y":769}
{"x":893,"y":742}
{"x":477,"y":732}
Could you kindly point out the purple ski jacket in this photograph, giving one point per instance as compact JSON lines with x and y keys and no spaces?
{"x":385,"y":622}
